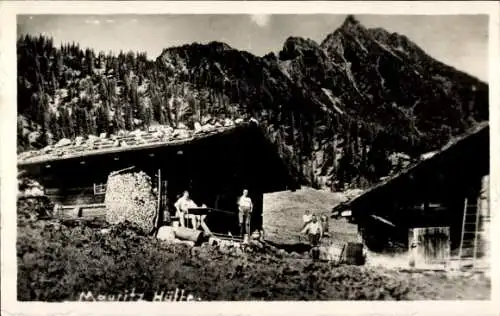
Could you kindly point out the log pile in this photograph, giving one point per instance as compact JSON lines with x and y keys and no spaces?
{"x":254,"y":245}
{"x":173,"y":234}
{"x":251,"y":248}
{"x":129,"y":197}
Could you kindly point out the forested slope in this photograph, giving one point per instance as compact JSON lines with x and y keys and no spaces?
{"x":346,"y":111}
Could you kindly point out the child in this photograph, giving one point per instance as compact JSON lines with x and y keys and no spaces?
{"x":306,"y":218}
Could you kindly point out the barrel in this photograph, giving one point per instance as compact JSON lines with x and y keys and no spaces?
{"x":354,"y":254}
{"x":190,"y":234}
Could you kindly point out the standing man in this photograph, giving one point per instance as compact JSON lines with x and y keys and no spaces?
{"x":182,"y":206}
{"x":314,"y":231}
{"x":245,"y":207}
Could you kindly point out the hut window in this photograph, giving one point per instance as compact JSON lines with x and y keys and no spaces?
{"x":99,"y":189}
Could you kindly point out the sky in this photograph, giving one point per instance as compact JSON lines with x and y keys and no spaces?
{"x":457,"y":40}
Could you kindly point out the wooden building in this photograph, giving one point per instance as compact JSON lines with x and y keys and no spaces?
{"x":437,"y":209}
{"x":215,"y":166}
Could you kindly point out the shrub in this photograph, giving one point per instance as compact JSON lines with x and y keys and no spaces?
{"x":58,"y":262}
{"x":31,"y":209}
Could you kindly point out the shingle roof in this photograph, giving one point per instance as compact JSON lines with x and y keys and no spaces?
{"x":114,"y":144}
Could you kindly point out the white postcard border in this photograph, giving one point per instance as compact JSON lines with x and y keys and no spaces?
{"x":8,"y":184}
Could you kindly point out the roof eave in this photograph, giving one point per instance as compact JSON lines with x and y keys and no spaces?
{"x":140,"y":147}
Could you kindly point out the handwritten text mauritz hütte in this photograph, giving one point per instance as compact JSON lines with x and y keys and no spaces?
{"x":159,"y":296}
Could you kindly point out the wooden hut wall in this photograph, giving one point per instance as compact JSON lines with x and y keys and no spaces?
{"x":215,"y":170}
{"x":432,"y":196}
{"x":72,"y":181}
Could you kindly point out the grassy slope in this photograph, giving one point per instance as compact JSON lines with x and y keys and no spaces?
{"x":282,"y":216}
{"x":56,"y":262}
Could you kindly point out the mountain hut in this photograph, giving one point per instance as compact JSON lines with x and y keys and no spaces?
{"x":437,"y":210}
{"x":215,"y":166}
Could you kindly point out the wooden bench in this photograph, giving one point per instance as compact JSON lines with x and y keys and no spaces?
{"x":82,"y":210}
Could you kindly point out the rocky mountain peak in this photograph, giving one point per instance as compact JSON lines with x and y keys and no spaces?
{"x":351,"y":29}
{"x":350,"y":22}
{"x":219,"y":46}
{"x":297,"y":46}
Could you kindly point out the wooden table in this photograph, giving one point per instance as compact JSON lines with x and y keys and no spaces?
{"x":203,"y":212}
{"x":206,"y":211}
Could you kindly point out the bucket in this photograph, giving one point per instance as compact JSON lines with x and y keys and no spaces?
{"x":354,"y":254}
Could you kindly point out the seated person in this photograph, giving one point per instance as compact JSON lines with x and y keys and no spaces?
{"x":182,"y":206}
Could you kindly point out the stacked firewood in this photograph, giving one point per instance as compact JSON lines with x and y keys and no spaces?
{"x":129,"y":197}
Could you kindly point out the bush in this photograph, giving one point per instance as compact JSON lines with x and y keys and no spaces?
{"x":58,"y":262}
{"x":30,"y":209}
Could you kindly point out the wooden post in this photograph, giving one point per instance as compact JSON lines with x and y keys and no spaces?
{"x":216,"y":204}
{"x":463,"y":230}
{"x":258,"y":212}
{"x":484,"y":217}
{"x":412,"y":244}
{"x":164,"y":199}
{"x":159,"y":215}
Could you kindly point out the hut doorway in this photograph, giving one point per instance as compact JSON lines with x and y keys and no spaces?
{"x":429,"y":247}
